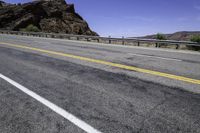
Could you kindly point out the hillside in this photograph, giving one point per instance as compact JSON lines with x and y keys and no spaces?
{"x":55,"y":16}
{"x":180,"y":36}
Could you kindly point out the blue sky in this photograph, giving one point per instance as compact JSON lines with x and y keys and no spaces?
{"x":137,"y":17}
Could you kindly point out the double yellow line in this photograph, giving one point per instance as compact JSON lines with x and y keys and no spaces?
{"x":131,"y":68}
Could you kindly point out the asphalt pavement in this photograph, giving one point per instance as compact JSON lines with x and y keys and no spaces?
{"x":107,"y":98}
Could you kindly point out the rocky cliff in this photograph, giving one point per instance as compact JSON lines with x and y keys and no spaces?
{"x":54,"y":16}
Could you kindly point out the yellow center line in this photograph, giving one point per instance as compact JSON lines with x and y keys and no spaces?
{"x":131,"y":68}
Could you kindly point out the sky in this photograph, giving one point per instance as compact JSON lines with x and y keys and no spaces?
{"x":132,"y":18}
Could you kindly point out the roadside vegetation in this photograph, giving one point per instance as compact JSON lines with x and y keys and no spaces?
{"x":195,"y":39}
{"x":31,"y":28}
{"x":160,"y":36}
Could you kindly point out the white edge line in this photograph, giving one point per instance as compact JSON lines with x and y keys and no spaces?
{"x":73,"y":119}
{"x":156,"y":57}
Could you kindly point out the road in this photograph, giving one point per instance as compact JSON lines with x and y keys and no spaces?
{"x":59,"y":86}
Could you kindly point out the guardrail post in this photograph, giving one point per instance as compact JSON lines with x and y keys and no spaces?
{"x":109,"y":39}
{"x":138,"y":43}
{"x":177,"y":46}
{"x":156,"y":45}
{"x":123,"y":43}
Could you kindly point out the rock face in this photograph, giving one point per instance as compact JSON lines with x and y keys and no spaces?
{"x":52,"y":16}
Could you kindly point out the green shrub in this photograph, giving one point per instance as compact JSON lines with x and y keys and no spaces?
{"x":31,"y":28}
{"x":195,"y":39}
{"x":160,"y":37}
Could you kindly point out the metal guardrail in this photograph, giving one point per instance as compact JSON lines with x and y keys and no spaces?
{"x":109,"y":40}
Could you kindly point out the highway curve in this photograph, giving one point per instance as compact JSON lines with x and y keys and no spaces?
{"x":59,"y":86}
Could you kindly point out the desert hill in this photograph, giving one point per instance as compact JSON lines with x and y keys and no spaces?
{"x":180,"y":36}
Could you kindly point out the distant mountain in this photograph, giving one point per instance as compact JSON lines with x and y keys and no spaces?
{"x":54,"y":16}
{"x":180,"y":36}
